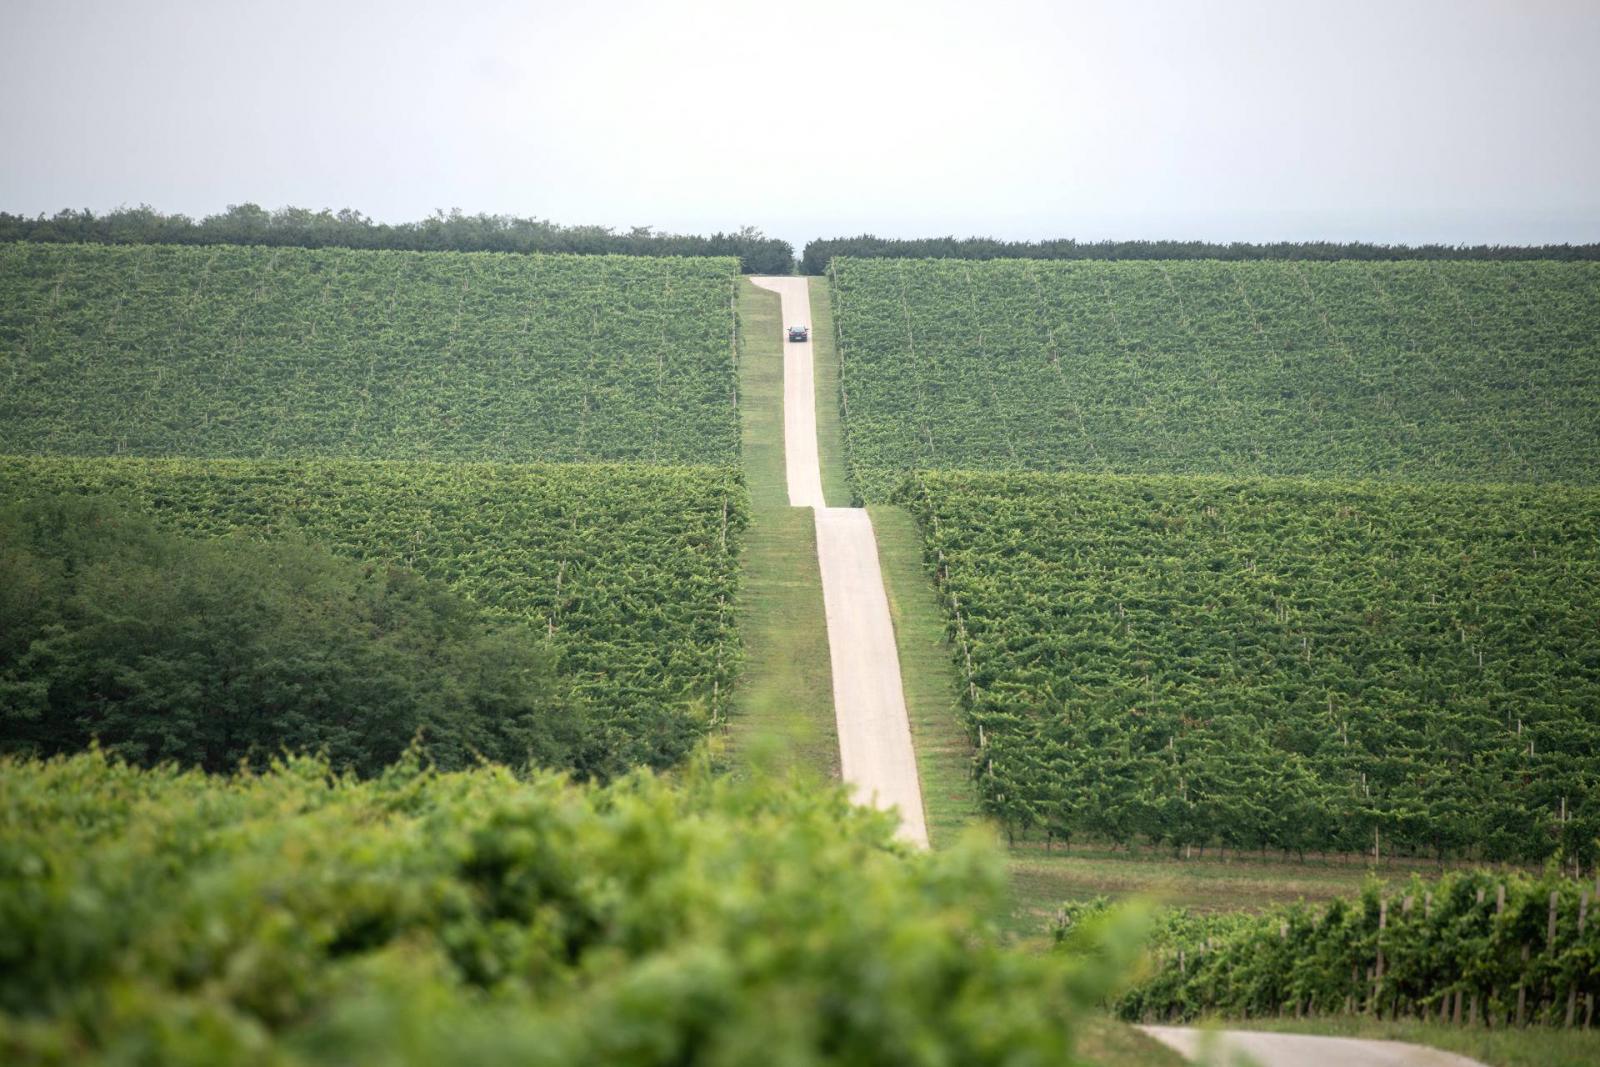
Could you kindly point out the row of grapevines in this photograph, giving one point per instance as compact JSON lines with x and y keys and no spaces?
{"x":1277,"y":663}
{"x":1457,"y":371}
{"x":630,"y":570}
{"x":270,"y":353}
{"x":1470,"y":947}
{"x":300,"y":918}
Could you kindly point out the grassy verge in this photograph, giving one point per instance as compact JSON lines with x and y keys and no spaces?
{"x":1534,"y":1046}
{"x":1042,"y":880}
{"x":782,"y":715}
{"x":825,"y":364}
{"x":944,"y":755}
{"x":1110,"y":1043}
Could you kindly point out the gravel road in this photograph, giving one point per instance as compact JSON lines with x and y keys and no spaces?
{"x":869,"y":706}
{"x":1299,"y":1050}
{"x":799,"y":396}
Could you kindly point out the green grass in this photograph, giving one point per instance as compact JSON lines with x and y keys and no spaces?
{"x":782,"y":716}
{"x":825,"y":364}
{"x":944,"y":755}
{"x":1109,"y":1043}
{"x":1248,"y":882}
{"x":1529,"y":1047}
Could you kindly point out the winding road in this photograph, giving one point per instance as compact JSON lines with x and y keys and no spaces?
{"x":869,"y":705}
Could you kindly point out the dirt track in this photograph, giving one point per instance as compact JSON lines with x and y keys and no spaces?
{"x":1300,"y":1050}
{"x":799,"y":397}
{"x":875,"y":752}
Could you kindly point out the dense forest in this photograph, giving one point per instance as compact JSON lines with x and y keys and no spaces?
{"x":453,"y":231}
{"x":819,"y":253}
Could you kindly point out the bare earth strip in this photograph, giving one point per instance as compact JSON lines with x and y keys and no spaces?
{"x":875,"y":751}
{"x":1300,"y":1050}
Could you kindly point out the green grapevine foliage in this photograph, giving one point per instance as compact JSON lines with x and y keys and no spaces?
{"x":296,"y":918}
{"x":1277,"y":663}
{"x":1449,"y":370}
{"x":1467,"y":947}
{"x":266,"y":353}
{"x":630,"y":570}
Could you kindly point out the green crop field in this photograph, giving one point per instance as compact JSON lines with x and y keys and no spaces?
{"x":1457,"y":371}
{"x":631,"y":570}
{"x":270,"y":353}
{"x":1278,"y":664}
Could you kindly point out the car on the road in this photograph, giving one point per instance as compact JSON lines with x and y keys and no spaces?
{"x":799,"y":333}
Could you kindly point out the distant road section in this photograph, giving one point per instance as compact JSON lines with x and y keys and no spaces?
{"x":875,"y":753}
{"x":799,"y":396}
{"x":1300,"y":1050}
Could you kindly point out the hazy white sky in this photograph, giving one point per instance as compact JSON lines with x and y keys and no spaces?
{"x":1388,"y":120}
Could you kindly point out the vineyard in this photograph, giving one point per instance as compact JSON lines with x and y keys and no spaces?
{"x":269,"y":353}
{"x":298,"y":917}
{"x":631,"y":571}
{"x":1424,"y":370}
{"x":1474,"y":948}
{"x":1277,"y":664}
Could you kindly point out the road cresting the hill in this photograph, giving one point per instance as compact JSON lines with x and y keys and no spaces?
{"x":875,"y":753}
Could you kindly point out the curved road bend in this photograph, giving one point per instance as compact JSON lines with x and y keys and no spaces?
{"x":869,"y":705}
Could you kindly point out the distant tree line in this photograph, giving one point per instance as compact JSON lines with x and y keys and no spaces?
{"x":454,"y":231}
{"x":820,"y":252}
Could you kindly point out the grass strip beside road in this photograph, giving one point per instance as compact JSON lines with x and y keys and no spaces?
{"x":928,"y":675}
{"x":825,"y":367}
{"x":782,"y":714}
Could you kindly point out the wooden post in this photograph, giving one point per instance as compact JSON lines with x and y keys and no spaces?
{"x":1522,"y":991}
{"x":1383,"y":923}
{"x":1500,"y":898}
{"x":1455,"y":1016}
{"x":1472,"y":1012}
{"x":1427,"y":905}
{"x":1182,"y":964}
{"x":1550,"y":931}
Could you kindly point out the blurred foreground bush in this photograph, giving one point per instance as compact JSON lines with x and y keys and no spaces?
{"x":301,"y":917}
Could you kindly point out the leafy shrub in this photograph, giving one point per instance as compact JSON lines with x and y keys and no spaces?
{"x":301,"y":918}
{"x":209,"y":652}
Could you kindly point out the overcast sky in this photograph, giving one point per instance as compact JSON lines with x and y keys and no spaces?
{"x":1391,"y":120}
